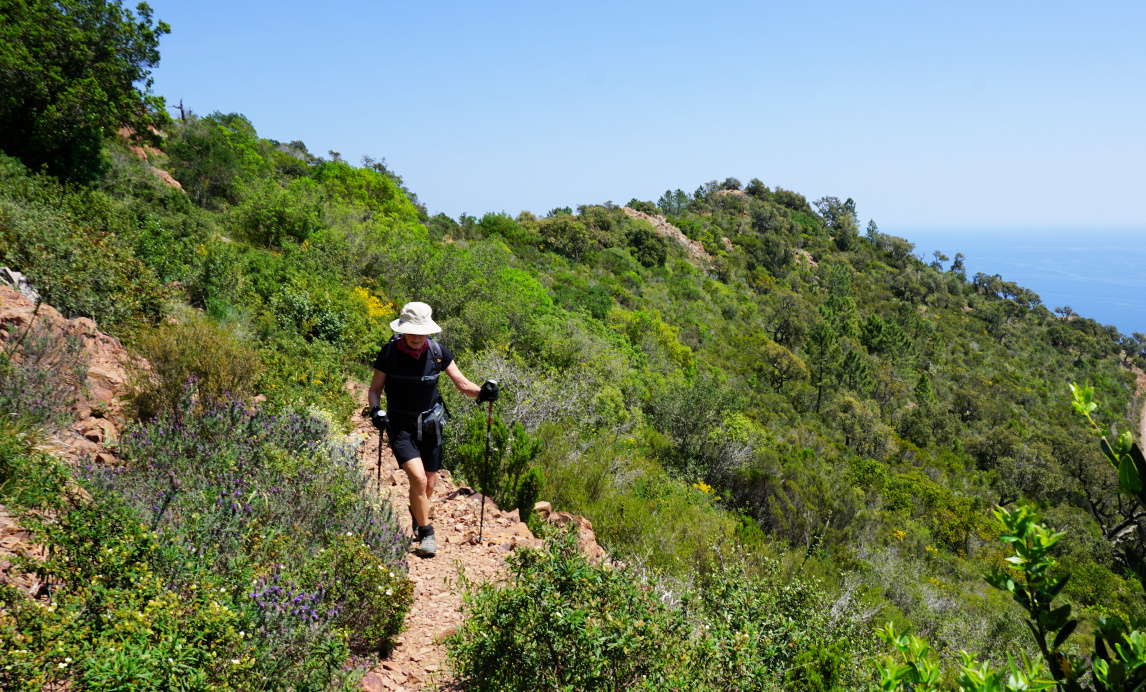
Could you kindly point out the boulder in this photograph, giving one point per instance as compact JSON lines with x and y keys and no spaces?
{"x":586,"y":539}
{"x":373,"y":682}
{"x":19,"y":282}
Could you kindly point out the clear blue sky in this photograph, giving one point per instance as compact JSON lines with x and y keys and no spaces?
{"x":930,"y":115}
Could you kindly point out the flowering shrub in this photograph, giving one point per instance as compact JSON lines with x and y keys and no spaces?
{"x":40,"y":376}
{"x":234,"y":550}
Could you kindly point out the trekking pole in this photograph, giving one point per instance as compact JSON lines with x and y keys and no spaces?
{"x":379,"y":470}
{"x":488,"y":427}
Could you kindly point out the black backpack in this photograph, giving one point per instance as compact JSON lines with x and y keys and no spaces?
{"x":437,"y":416}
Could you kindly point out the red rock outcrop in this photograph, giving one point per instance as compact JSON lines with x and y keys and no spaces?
{"x":98,"y":410}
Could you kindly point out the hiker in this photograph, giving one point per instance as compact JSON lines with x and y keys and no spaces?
{"x":407,"y":369}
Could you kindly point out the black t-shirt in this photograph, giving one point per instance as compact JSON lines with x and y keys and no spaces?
{"x":405,"y":399}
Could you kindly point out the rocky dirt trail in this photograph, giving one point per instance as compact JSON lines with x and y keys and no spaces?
{"x":1140,"y":390}
{"x":418,"y":662}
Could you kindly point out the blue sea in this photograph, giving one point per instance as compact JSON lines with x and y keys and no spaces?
{"x":1100,"y":274}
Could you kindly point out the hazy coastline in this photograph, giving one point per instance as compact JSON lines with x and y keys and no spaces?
{"x":1099,"y":273}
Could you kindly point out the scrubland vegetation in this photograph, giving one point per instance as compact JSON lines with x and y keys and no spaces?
{"x":789,"y":441}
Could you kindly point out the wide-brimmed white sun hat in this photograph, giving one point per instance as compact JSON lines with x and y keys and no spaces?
{"x":416,"y":318}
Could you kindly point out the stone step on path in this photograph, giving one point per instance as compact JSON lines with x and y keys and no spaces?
{"x":418,"y":662}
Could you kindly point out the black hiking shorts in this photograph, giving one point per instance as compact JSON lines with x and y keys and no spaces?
{"x":405,"y":445}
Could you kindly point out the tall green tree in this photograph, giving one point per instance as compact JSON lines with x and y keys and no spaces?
{"x":71,"y":72}
{"x":823,"y":356}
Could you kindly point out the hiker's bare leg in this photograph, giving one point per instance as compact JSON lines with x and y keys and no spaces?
{"x":431,"y":480}
{"x":419,"y":500}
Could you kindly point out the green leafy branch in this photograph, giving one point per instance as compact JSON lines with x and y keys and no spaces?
{"x":1032,"y":543}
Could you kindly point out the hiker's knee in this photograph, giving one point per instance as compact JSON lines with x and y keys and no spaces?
{"x":416,"y":474}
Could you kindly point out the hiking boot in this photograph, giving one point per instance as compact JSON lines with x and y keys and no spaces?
{"x":428,"y":547}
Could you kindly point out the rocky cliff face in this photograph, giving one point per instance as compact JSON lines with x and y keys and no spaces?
{"x":97,"y":411}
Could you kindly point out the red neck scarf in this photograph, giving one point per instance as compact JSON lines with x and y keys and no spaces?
{"x":405,"y":348}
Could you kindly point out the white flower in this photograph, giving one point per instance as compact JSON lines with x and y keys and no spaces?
{"x":68,"y":660}
{"x":389,"y":592}
{"x":63,"y":665}
{"x":235,"y":661}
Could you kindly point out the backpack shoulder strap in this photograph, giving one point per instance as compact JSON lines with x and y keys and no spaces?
{"x":434,"y":366}
{"x":390,"y":344}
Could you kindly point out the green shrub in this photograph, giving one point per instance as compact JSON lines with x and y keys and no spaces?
{"x":595,"y":300}
{"x":819,"y":669}
{"x":215,"y":156}
{"x":505,"y":226}
{"x":271,"y":213}
{"x":646,"y":207}
{"x":504,"y":473}
{"x":195,"y":353}
{"x":66,"y":242}
{"x":648,"y":247}
{"x":566,"y":236}
{"x":563,"y":623}
{"x":637,"y":509}
{"x":297,"y":371}
{"x":365,"y":188}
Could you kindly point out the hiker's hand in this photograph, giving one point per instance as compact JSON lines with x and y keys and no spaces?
{"x":489,"y":391}
{"x":378,"y":419}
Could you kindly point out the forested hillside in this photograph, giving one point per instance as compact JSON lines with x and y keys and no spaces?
{"x":772,"y":412}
